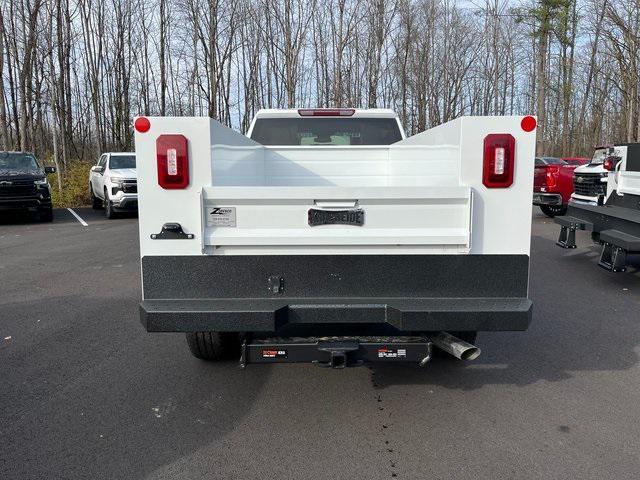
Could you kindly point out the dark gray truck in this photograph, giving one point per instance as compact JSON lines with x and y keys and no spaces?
{"x":24,"y":186}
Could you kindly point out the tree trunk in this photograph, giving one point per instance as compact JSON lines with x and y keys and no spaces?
{"x":4,"y":129}
{"x":541,"y":80}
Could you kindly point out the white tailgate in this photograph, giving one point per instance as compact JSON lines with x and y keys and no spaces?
{"x":436,"y":217}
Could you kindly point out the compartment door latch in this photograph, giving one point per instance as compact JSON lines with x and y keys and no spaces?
{"x":172,"y":231}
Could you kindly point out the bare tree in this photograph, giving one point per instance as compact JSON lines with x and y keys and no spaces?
{"x":5,"y":140}
{"x":74,"y":73}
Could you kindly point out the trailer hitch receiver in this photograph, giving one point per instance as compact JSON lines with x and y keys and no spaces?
{"x":337,"y":352}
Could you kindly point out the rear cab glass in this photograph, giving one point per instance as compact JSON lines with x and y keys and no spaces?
{"x":600,"y":154}
{"x":551,"y":161}
{"x":292,"y":131}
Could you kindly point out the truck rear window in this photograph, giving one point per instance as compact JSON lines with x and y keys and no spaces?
{"x":326,"y":131}
{"x":600,"y":154}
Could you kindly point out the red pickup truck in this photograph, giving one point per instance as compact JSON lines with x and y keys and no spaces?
{"x":553,"y":183}
{"x":577,"y":161}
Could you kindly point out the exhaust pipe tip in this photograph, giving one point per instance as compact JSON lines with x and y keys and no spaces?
{"x":471,"y":353}
{"x":456,"y":347}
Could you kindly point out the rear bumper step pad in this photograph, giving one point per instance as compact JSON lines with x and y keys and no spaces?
{"x":615,"y":246}
{"x":630,"y":243}
{"x":569,"y":225}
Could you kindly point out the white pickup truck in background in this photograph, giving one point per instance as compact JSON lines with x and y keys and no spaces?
{"x":113,"y":183}
{"x":325,"y":235}
{"x":590,"y":180}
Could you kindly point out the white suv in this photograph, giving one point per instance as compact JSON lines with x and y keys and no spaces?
{"x":113,"y":183}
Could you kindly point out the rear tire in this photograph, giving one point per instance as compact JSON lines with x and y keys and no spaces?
{"x":553,"y":210}
{"x":213,"y":346}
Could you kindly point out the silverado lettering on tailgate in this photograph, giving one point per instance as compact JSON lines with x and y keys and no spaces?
{"x":336,"y":217}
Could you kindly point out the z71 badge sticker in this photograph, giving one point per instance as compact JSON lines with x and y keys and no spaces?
{"x":221,"y":216}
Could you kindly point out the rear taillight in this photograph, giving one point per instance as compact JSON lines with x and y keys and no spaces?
{"x":173,"y":161}
{"x":326,"y":112}
{"x":552,"y":175}
{"x":498,"y":160}
{"x":609,"y":163}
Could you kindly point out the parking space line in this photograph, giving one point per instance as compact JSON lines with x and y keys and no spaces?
{"x":82,"y":222}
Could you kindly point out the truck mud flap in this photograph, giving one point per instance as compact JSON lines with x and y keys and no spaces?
{"x":337,"y":352}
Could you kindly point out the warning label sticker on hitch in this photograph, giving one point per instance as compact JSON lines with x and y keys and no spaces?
{"x":221,"y":216}
{"x":389,"y":352}
{"x":274,"y":353}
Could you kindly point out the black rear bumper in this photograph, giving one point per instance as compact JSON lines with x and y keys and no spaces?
{"x":312,"y":295}
{"x":540,"y":198}
{"x":297,"y":316}
{"x":620,"y":213}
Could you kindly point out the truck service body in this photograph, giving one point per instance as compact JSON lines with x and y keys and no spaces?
{"x":311,"y":243}
{"x":613,"y":216}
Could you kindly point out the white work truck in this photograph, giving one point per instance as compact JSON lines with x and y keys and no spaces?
{"x":326,"y":236}
{"x":614,"y":217}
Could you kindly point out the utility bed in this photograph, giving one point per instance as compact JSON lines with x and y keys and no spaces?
{"x":428,"y":234}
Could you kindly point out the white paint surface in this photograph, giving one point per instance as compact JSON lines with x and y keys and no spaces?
{"x":82,"y":222}
{"x":422,"y":195}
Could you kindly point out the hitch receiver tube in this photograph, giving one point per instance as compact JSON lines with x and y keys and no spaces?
{"x":337,"y":352}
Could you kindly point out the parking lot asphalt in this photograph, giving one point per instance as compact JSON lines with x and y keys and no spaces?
{"x":85,"y":392}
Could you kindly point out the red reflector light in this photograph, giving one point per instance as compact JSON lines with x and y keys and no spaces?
{"x":173,"y":161}
{"x":142,"y":124}
{"x":326,"y":112}
{"x":528,"y":123}
{"x":498,"y":160}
